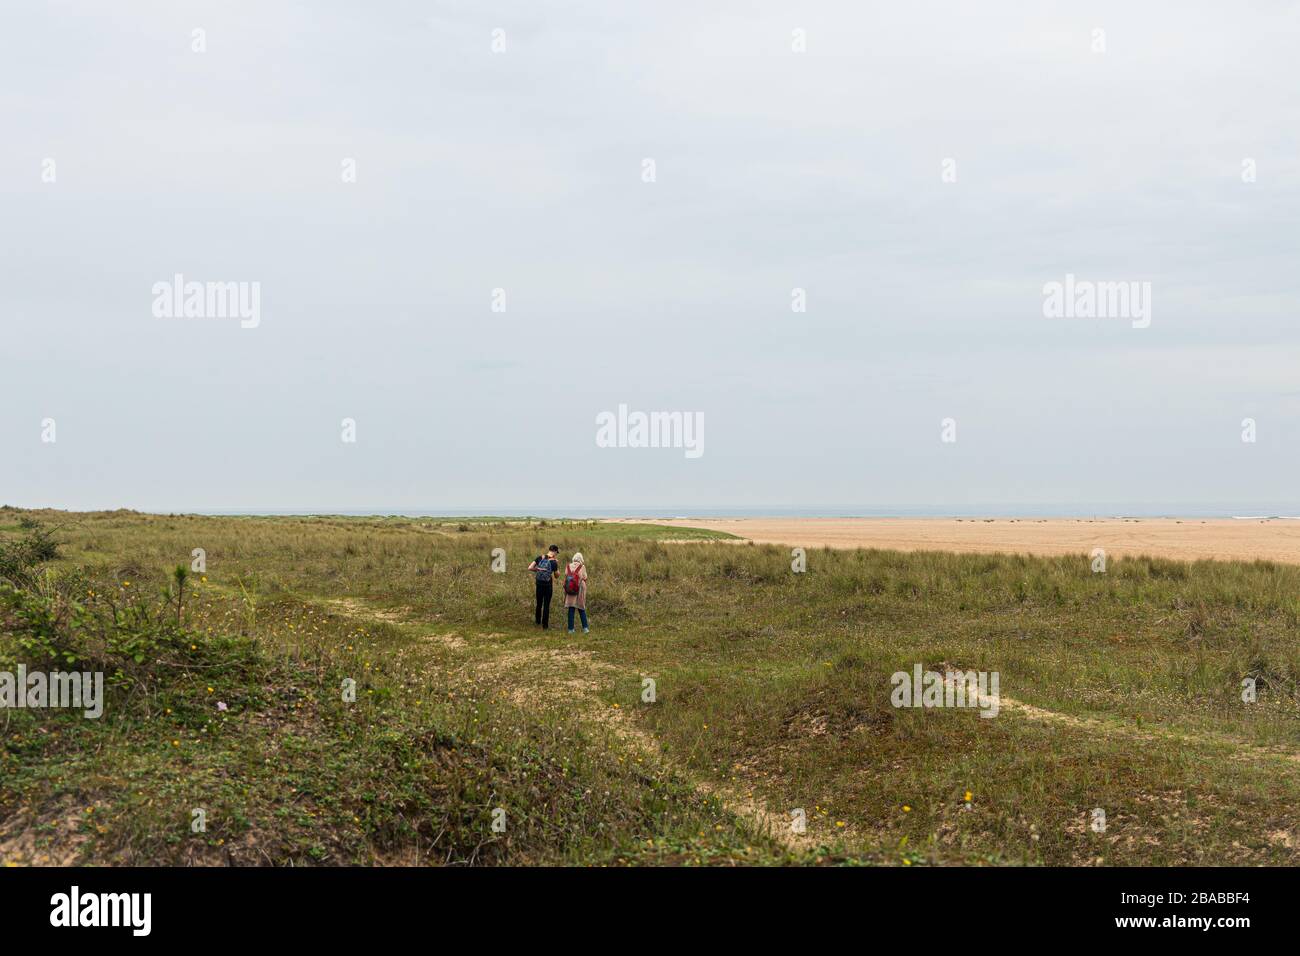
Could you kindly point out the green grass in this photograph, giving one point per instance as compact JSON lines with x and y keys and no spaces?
{"x":772,"y":691}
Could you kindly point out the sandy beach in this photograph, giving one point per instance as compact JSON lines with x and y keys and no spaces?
{"x":1184,"y":539}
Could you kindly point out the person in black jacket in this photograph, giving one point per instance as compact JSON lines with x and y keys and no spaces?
{"x":545,"y":568}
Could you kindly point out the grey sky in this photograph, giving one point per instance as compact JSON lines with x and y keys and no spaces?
{"x":775,"y":170}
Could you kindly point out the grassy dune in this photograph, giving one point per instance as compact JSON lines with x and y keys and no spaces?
{"x":1120,"y":691}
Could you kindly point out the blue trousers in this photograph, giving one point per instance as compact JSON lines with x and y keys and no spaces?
{"x":581,"y":611}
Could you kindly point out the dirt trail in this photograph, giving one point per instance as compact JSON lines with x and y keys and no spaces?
{"x":573,"y":676}
{"x":1111,"y":727}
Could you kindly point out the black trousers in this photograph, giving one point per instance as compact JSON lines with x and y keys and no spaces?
{"x":544,"y":591}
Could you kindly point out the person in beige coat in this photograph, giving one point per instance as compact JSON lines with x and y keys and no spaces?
{"x":577,"y":568}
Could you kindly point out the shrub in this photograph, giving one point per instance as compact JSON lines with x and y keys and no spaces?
{"x":20,"y":560}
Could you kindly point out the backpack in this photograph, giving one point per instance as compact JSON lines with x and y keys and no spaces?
{"x":573,"y":580}
{"x":544,"y":568}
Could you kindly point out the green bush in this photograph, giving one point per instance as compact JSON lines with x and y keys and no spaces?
{"x":20,"y":560}
{"x":71,"y":619}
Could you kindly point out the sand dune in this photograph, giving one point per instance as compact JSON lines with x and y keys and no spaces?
{"x":1186,"y":539}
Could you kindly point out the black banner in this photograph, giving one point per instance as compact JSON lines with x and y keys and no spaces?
{"x":358,"y":905}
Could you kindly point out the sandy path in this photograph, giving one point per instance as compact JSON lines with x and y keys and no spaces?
{"x":572,"y":676}
{"x":1114,"y":727}
{"x":1186,"y":539}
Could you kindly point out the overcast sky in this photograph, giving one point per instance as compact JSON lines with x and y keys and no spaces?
{"x":523,"y":169}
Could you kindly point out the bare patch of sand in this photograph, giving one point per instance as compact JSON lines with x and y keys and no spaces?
{"x":55,"y":840}
{"x":356,"y":608}
{"x":451,"y":639}
{"x":1181,"y":539}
